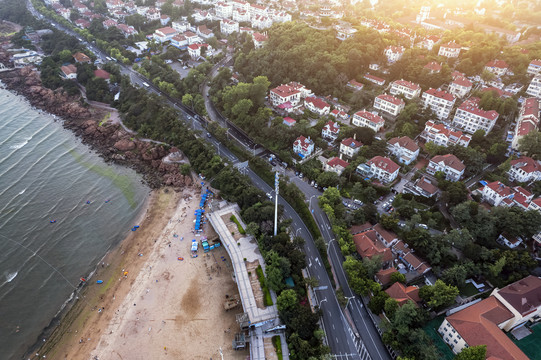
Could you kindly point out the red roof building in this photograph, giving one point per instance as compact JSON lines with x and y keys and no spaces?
{"x":102,"y":74}
{"x":403,"y":294}
{"x":336,"y":165}
{"x":406,"y":88}
{"x":374,"y":79}
{"x":469,"y":117}
{"x":350,"y":147}
{"x":368,"y":246}
{"x":303,"y":146}
{"x":442,"y":135}
{"x":480,"y":324}
{"x":367,"y":119}
{"x":439,"y":101}
{"x":433,"y":67}
{"x":449,"y":164}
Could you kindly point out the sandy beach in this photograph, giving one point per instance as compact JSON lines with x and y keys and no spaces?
{"x":164,"y":307}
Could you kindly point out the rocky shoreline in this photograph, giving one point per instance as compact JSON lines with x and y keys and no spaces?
{"x":111,"y":141}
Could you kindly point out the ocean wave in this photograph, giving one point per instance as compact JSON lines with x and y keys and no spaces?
{"x":19,"y":145}
{"x":11,"y":276}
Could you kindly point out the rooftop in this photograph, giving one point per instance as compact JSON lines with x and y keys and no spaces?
{"x":478,"y":325}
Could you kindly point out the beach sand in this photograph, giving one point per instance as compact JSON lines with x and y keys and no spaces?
{"x":163,"y":308}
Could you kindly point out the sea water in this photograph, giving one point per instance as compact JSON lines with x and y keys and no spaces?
{"x":61,"y":209}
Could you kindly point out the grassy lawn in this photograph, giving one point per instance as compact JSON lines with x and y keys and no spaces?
{"x":531,"y":344}
{"x":468,"y":290}
{"x":432,"y":330}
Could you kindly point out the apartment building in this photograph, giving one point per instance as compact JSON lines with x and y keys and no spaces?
{"x":470,"y":118}
{"x":535,"y":87}
{"x":527,"y":120}
{"x":408,"y":89}
{"x":450,"y":50}
{"x":449,"y":164}
{"x":460,"y":87}
{"x":367,"y":119}
{"x":439,"y":101}
{"x":389,"y":104}
{"x":404,"y":148}
{"x":350,"y":147}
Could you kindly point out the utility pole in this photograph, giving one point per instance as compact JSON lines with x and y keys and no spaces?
{"x":276,"y":186}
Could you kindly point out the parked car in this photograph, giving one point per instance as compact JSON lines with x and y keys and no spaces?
{"x":423,"y":226}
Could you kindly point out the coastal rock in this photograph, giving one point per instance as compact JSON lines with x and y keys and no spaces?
{"x":124,"y":145}
{"x":109,"y":139}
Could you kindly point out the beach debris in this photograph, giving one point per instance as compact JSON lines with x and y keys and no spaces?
{"x":180,"y":258}
{"x":125,"y":273}
{"x":88,"y":202}
{"x":52,"y":221}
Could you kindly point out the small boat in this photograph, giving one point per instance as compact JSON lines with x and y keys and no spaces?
{"x":180,"y":258}
{"x":99,"y":282}
{"x":83,"y":279}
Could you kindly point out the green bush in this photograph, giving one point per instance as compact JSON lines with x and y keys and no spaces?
{"x":277,"y":346}
{"x":239,"y":226}
{"x":267,"y":299}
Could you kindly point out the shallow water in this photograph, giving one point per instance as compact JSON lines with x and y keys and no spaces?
{"x":49,"y":235}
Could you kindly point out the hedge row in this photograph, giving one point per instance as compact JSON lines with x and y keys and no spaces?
{"x":267,"y":299}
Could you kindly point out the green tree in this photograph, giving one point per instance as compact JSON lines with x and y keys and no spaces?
{"x":530,"y":144}
{"x":398,"y":277}
{"x":439,"y":295}
{"x":455,"y":275}
{"x":478,"y":352}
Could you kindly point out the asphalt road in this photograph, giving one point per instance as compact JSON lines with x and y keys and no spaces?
{"x":361,"y":318}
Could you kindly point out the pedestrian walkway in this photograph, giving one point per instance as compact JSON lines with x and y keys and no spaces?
{"x":238,"y":251}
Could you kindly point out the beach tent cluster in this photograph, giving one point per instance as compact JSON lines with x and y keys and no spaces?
{"x":195,"y":245}
{"x":200,"y":213}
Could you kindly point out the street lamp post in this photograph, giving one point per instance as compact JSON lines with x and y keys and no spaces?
{"x":310,"y":203}
{"x":329,"y":245}
{"x":296,"y":232}
{"x":321,"y":302}
{"x":349,"y":298}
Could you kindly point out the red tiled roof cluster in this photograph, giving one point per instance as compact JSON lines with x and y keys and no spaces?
{"x":352,"y":143}
{"x":317,"y":102}
{"x":332,"y":127}
{"x":440,"y":94}
{"x":500,"y":64}
{"x":527,"y":164}
{"x":449,"y":160}
{"x":389,"y":98}
{"x":407,"y":84}
{"x":404,"y":142}
{"x":462,"y":81}
{"x":370,"y":116}
{"x":478,"y":325}
{"x":336,"y":161}
{"x":384,"y":163}
{"x":472,"y":106}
